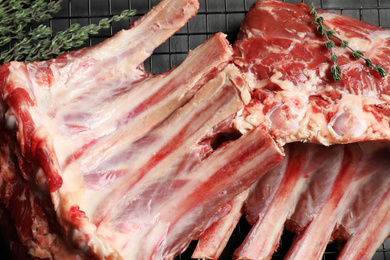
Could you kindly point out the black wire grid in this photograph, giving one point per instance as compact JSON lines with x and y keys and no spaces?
{"x":214,"y":16}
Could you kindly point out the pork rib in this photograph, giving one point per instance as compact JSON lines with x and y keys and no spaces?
{"x":275,"y":196}
{"x":342,"y":194}
{"x":271,"y":222}
{"x":356,"y":200}
{"x":366,"y":221}
{"x":320,"y":229}
{"x":214,"y":239}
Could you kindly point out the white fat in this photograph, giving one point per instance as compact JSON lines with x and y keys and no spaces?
{"x":310,"y":85}
{"x":359,"y":44}
{"x":283,"y":84}
{"x":242,"y":125}
{"x":253,"y":82}
{"x":301,"y":34}
{"x":73,"y":182}
{"x":291,"y":30}
{"x":254,"y":33}
{"x":248,"y":121}
{"x":385,"y":98}
{"x":322,"y":69}
{"x":276,"y":49}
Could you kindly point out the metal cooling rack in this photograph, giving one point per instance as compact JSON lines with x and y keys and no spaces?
{"x":214,"y":16}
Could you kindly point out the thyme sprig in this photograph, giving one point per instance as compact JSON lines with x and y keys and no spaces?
{"x":329,"y":34}
{"x":28,"y":39}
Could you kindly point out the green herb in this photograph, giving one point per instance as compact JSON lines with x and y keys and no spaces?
{"x":28,"y":39}
{"x":328,"y":34}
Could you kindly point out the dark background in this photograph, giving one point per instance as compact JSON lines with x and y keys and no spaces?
{"x":214,"y":16}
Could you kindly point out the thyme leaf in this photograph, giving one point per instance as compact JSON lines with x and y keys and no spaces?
{"x":28,"y":39}
{"x":336,"y":70}
{"x":329,"y":34}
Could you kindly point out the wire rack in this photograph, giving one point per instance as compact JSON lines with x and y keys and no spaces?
{"x":214,"y":16}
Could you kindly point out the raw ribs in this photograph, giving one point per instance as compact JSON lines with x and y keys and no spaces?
{"x":287,"y":67}
{"x":101,"y":160}
{"x":322,"y":194}
{"x":338,"y":193}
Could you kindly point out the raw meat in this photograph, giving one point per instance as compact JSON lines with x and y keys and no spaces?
{"x":294,"y":96}
{"x":214,"y":239}
{"x":274,"y":197}
{"x":345,"y":182}
{"x":106,"y":161}
{"x":288,"y":70}
{"x":342,"y":193}
{"x":366,"y":222}
{"x":272,"y":202}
